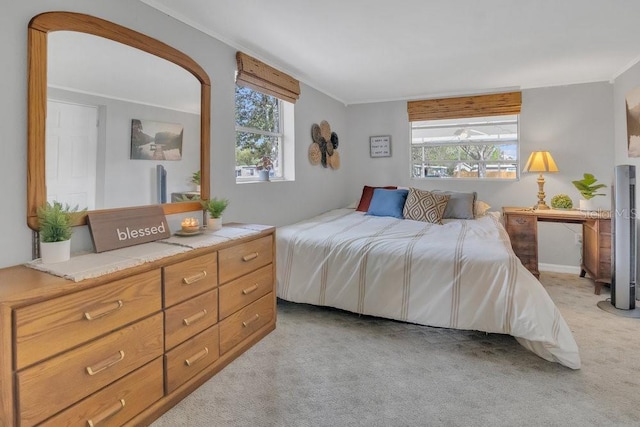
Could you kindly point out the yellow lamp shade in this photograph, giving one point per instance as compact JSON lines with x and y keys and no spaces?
{"x":540,"y":161}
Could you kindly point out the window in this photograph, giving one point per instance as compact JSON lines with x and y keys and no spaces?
{"x":476,"y":148}
{"x":264,"y":120}
{"x":259,"y":133}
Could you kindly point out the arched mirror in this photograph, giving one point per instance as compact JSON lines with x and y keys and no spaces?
{"x":116,"y":119}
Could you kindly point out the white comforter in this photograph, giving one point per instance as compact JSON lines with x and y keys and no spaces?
{"x":461,"y":275}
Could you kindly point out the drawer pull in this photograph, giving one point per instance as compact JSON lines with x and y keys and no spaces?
{"x":190,"y":320}
{"x":250,"y":257}
{"x":249,"y":290}
{"x":250,"y":321}
{"x":103,"y":311}
{"x":201,"y":354}
{"x":193,"y":279}
{"x":110,"y":412}
{"x":118,"y":357}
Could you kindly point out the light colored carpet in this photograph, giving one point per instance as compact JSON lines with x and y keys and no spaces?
{"x":324,"y":367}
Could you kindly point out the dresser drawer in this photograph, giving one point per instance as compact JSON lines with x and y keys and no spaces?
{"x":245,"y":290}
{"x":53,"y":385}
{"x":117,"y":403}
{"x":189,"y":318}
{"x":189,"y":278}
{"x":48,"y":328}
{"x":189,"y":358}
{"x":245,"y":322}
{"x":244,"y":258}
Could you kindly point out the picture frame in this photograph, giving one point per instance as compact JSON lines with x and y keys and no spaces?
{"x":152,"y":140}
{"x":380,"y":146}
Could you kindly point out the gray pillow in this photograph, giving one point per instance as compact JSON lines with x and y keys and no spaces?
{"x":460,"y":205}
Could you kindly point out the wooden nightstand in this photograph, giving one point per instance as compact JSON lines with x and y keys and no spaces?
{"x":522,"y":227}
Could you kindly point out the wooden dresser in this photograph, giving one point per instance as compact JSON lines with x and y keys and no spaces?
{"x":522,"y":227}
{"x":124,"y":348}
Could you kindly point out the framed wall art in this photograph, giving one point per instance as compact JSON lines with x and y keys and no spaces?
{"x":380,"y":146}
{"x":156,"y":140}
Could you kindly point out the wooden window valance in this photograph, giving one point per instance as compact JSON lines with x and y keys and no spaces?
{"x":467,"y":106}
{"x":262,"y":77}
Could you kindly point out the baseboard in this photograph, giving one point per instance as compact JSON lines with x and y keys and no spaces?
{"x":557,"y":268}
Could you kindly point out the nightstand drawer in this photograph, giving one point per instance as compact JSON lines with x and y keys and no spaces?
{"x":244,"y":258}
{"x":77,"y":318}
{"x":245,"y":290}
{"x":245,"y":322}
{"x":190,"y":278}
{"x":189,"y":318}
{"x":57,"y":383}
{"x":117,"y":403}
{"x":189,"y":358}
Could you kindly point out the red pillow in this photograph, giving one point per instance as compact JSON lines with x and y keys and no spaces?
{"x":367,"y":194}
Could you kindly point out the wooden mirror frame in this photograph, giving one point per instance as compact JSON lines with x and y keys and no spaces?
{"x":39,"y":27}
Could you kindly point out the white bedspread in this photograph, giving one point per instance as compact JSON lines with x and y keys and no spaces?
{"x":461,"y":275}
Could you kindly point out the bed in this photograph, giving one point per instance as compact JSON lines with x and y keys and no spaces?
{"x":462,"y":274}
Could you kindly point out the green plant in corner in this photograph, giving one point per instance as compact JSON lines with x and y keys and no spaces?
{"x":215,"y":206}
{"x":588,"y":187}
{"x":56,"y":221}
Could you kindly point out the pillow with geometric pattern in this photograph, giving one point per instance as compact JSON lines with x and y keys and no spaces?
{"x":422,"y":205}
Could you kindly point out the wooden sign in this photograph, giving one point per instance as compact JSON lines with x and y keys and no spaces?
{"x":121,"y":228}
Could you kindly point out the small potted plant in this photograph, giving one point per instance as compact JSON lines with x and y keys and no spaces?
{"x":56,"y":223}
{"x":561,"y":201}
{"x":215,"y":207}
{"x":264,"y":167}
{"x":195,"y":178}
{"x":588,"y":189}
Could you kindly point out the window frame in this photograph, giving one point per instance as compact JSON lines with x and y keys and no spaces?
{"x":464,"y":122}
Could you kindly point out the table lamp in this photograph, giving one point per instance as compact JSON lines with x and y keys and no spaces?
{"x":541,"y":161}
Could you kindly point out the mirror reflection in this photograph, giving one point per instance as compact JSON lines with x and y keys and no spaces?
{"x":119,"y":122}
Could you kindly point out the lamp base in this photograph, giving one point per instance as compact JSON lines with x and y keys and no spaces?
{"x":541,"y":206}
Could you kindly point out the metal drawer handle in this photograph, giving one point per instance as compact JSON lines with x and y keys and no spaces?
{"x":200,"y":355}
{"x":250,"y":321}
{"x":250,"y":257}
{"x":190,"y":320}
{"x":110,"y":412}
{"x":105,"y":364}
{"x":103,"y":311}
{"x":249,"y":290}
{"x":192,"y":279}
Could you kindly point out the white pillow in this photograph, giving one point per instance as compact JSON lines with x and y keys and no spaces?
{"x":480,"y":208}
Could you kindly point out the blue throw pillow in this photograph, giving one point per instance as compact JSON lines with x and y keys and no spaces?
{"x":387,"y":202}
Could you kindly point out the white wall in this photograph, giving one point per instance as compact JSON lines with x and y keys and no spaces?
{"x":574,"y":122}
{"x":315,"y":189}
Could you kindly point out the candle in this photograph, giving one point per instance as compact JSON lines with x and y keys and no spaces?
{"x":190,"y":224}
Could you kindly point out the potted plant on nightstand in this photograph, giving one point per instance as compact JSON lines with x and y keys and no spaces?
{"x":215,"y":207}
{"x":56,"y":221}
{"x":264,"y":167}
{"x":588,"y":189}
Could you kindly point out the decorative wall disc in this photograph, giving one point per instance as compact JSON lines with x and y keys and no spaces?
{"x":334,"y":140}
{"x":314,"y":154}
{"x":315,"y":133}
{"x":325,"y":130}
{"x":334,"y":160}
{"x":329,"y":147}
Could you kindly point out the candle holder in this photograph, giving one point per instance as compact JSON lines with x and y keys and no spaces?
{"x":190,"y":225}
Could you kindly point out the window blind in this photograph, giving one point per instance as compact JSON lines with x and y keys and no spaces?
{"x":467,"y":106}
{"x":259,"y":76}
